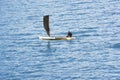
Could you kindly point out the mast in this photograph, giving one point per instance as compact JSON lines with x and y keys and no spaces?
{"x":46,"y":24}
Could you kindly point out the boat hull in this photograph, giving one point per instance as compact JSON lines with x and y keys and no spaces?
{"x":56,"y":38}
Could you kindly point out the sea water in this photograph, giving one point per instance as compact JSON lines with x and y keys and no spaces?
{"x":93,"y":55}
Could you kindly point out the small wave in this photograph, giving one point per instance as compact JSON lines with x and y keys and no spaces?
{"x":117,"y":46}
{"x":32,"y":17}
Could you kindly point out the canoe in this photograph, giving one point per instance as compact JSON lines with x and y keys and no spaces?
{"x":56,"y":38}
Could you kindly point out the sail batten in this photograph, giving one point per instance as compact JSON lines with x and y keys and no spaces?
{"x":46,"y":24}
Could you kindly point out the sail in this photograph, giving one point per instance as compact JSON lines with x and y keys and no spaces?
{"x":46,"y":24}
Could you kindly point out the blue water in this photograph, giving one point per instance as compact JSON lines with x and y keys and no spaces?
{"x":93,"y":55}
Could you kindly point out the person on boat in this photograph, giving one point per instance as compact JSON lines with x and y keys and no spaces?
{"x":69,"y":34}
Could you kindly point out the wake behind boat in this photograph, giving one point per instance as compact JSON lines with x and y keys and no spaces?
{"x":46,"y":27}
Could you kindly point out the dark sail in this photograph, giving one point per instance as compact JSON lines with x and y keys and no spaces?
{"x":46,"y":24}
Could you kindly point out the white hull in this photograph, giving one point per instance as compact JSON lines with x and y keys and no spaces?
{"x":56,"y":38}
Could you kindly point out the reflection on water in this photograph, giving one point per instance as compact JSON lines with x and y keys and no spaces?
{"x":48,"y":45}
